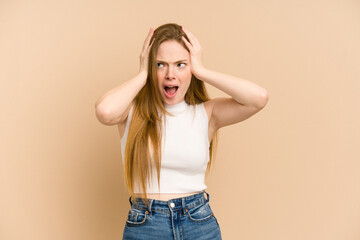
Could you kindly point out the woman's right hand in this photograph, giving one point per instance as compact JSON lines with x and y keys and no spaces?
{"x":144,"y":56}
{"x":113,"y":107}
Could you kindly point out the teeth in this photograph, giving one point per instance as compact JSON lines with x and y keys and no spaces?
{"x":171,"y":86}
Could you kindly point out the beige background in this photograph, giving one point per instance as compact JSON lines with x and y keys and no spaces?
{"x":290,"y":172}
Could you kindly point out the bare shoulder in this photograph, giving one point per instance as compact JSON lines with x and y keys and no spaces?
{"x":214,"y":103}
{"x":209,"y":107}
{"x":227,"y":111}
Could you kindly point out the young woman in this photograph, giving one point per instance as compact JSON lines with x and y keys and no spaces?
{"x":168,"y":124}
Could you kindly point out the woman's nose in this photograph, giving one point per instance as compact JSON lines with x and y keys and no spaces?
{"x":170,"y":74}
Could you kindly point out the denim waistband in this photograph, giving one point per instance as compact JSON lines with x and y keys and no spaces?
{"x":171,"y":205}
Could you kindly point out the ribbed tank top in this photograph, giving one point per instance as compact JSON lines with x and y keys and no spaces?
{"x":185,"y":150}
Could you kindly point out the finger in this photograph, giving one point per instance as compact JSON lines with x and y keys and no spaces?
{"x":148,"y":38}
{"x":149,"y":47}
{"x":194,"y":41}
{"x":187,"y":34}
{"x":187,"y":43}
{"x":145,"y":53}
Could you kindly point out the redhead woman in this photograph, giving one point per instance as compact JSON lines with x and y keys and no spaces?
{"x":168,"y":125}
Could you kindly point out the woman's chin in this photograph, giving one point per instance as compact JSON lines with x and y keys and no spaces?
{"x":172,"y":101}
{"x":169,"y":102}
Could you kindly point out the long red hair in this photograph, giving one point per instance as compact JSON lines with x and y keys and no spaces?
{"x":143,"y":146}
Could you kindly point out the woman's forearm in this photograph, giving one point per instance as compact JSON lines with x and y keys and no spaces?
{"x":243,"y":91}
{"x":110,"y":107}
{"x":113,"y":106}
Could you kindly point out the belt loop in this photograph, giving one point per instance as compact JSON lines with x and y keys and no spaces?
{"x":208,"y":196}
{"x":183,"y":205}
{"x":150,"y":204}
{"x":130,"y":201}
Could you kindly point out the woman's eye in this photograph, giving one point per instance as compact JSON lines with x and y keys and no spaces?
{"x":160,"y":64}
{"x":181,"y":65}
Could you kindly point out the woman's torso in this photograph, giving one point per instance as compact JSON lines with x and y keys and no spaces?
{"x":168,"y":196}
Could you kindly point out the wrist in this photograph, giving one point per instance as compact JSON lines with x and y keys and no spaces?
{"x":143,"y":73}
{"x":142,"y":76}
{"x":199,"y":72}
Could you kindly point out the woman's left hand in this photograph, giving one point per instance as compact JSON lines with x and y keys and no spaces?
{"x":195,"y":51}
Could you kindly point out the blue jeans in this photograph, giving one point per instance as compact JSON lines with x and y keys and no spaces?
{"x":180,"y":218}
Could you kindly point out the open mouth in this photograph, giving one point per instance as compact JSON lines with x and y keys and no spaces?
{"x":170,"y":91}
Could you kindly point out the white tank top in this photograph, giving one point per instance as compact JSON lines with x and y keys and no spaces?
{"x":185,"y":150}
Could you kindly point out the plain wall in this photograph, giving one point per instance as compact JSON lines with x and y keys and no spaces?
{"x":289,"y":172}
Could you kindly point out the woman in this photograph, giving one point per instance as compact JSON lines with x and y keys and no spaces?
{"x":168,"y":126}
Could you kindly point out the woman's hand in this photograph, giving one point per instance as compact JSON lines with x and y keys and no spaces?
{"x":195,"y":51}
{"x":144,"y":56}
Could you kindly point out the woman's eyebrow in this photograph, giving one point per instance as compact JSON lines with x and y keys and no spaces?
{"x":159,"y":60}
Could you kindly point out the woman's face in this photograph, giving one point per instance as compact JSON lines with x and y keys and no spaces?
{"x":173,"y":71}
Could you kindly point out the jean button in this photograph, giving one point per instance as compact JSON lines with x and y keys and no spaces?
{"x":172,"y":205}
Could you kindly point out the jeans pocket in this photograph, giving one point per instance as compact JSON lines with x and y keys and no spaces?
{"x":136,"y":218}
{"x":200,"y":213}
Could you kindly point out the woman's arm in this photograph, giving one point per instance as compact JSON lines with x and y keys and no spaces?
{"x":113,"y":107}
{"x":243,"y":91}
{"x":247,"y":97}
